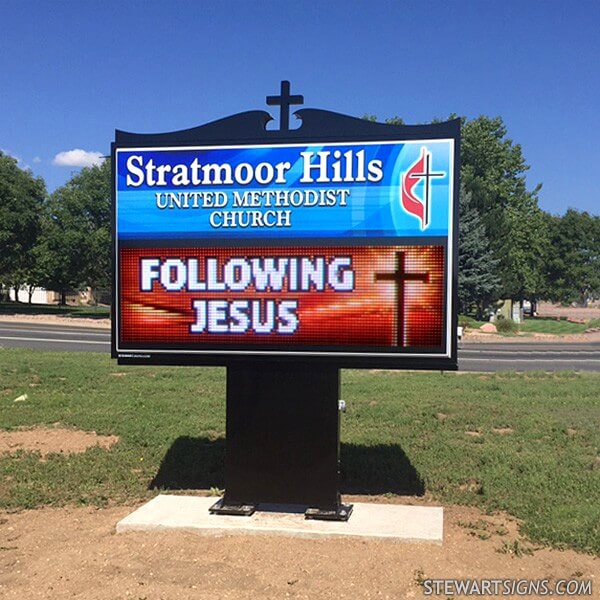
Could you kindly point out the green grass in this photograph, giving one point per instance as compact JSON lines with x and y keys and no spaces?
{"x":525,"y":444}
{"x":537,"y":325}
{"x":553,"y":326}
{"x":81,"y":312}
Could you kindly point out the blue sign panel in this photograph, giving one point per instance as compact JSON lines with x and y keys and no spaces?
{"x":342,"y":190}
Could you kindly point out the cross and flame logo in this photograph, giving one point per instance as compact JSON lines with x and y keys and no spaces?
{"x":420,"y":170}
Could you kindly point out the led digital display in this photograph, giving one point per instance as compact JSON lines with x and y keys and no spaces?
{"x":336,"y":251}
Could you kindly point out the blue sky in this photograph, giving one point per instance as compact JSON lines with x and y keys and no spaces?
{"x":71,"y":72}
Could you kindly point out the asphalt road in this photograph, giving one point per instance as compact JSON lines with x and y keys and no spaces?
{"x":532,"y":356}
{"x":515,"y":356}
{"x":62,"y":338}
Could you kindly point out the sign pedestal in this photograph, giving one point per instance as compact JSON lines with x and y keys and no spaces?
{"x":283,"y":439}
{"x":286,"y":279}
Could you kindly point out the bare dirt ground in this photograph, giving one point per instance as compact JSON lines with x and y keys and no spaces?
{"x":56,"y":320}
{"x":46,"y":440}
{"x":74,"y":553}
{"x":476,"y":336}
{"x":545,"y":309}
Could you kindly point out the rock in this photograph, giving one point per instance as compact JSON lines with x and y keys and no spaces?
{"x":488,"y":328}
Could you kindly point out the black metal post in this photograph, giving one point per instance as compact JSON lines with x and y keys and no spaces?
{"x":283,"y":439}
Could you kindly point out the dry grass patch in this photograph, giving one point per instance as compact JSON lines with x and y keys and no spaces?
{"x":503,"y":430}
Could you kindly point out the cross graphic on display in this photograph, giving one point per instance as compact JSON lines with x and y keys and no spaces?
{"x":284,"y":101}
{"x":427,"y":175}
{"x":399,"y":277}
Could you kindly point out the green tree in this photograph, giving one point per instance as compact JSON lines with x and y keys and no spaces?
{"x":492,"y":166}
{"x":21,"y":201}
{"x":74,"y":249}
{"x":522,"y":249}
{"x":478,"y":281}
{"x":573,"y":257}
{"x":493,"y":169}
{"x":388,"y":121}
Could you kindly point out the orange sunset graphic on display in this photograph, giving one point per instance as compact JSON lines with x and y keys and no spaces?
{"x":326,"y":297}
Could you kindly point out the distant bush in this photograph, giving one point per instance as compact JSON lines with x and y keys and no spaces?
{"x":593,"y":324}
{"x":506,"y":325}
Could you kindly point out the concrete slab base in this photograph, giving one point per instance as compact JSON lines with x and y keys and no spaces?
{"x":375,"y":521}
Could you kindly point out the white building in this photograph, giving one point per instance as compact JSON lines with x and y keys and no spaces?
{"x":40,"y":296}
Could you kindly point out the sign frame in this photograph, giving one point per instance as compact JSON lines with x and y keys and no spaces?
{"x":318,"y":127}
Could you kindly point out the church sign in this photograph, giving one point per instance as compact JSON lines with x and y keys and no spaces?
{"x":335,"y":242}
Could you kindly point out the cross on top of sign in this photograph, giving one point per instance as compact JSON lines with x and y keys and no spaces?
{"x":284,"y":101}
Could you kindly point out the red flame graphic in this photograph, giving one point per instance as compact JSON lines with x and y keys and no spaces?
{"x":411,"y":203}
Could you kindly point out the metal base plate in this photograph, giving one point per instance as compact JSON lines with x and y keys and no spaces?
{"x":342,"y":513}
{"x":240,"y":510}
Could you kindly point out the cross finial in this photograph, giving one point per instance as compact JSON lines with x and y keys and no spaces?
{"x":284,"y":100}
